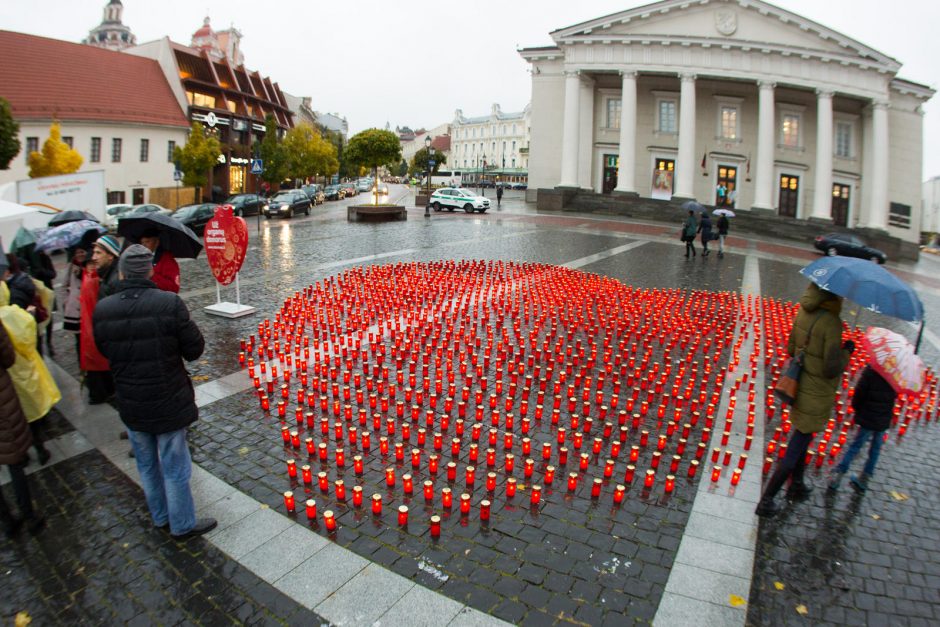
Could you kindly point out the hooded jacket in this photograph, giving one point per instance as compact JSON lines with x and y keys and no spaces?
{"x":15,"y":436}
{"x":146,"y":333}
{"x":873,"y":401}
{"x":824,"y":358}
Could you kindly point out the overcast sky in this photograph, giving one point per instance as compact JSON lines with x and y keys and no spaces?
{"x":414,"y":62}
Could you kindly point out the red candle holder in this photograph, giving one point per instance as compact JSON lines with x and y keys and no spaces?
{"x":447,"y":498}
{"x":402,"y":515}
{"x":435,"y":527}
{"x":390,"y":477}
{"x":572,"y":481}
{"x":433,"y":461}
{"x":340,"y":490}
{"x":451,"y":471}
{"x":584,"y":462}
{"x":323,"y":481}
{"x":536,"y":495}
{"x":311,"y":507}
{"x":289,"y":501}
{"x":628,"y":475}
{"x":484,"y":510}
{"x":736,"y":476}
{"x":634,"y":454}
{"x":650,"y":478}
{"x":376,"y":504}
{"x":509,"y":461}
{"x":291,"y":468}
{"x":510,"y":487}
{"x":329,"y":520}
{"x":596,"y":487}
{"x":670,"y":483}
{"x":470,"y":476}
{"x":619,"y":492}
{"x":357,"y":496}
{"x":407,"y":484}
{"x":307,"y":474}
{"x":490,"y":481}
{"x":716,"y":473}
{"x":464,"y":504}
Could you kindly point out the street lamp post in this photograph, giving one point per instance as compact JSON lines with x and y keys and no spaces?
{"x":427,"y":149}
{"x":482,"y":175}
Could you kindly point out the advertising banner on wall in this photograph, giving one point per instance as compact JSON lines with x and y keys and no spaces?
{"x":662,"y":185}
{"x":82,"y":191}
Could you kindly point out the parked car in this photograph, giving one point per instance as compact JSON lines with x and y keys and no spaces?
{"x":113,"y":213}
{"x":315,"y":193}
{"x":848,"y":246}
{"x":246,"y":204}
{"x":364,"y":185}
{"x":287,"y":203}
{"x":142,"y":209}
{"x":334,"y":192}
{"x":196,"y":216}
{"x":350,"y":189}
{"x":451,"y":198}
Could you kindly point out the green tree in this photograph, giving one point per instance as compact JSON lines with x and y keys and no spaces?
{"x":9,"y":135}
{"x":272,"y":152}
{"x":403,"y":168}
{"x":419,"y":163}
{"x":307,"y":153}
{"x":56,"y":156}
{"x":197,"y":157}
{"x":373,"y":148}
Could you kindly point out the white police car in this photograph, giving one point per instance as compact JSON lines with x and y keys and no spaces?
{"x":451,"y":198}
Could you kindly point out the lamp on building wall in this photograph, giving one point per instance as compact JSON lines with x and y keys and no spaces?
{"x":427,"y":149}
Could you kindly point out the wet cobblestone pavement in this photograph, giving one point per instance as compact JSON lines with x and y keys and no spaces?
{"x":100,"y":561}
{"x":848,"y":560}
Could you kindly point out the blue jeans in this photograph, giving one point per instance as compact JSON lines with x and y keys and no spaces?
{"x":165,"y":468}
{"x":877,"y":439}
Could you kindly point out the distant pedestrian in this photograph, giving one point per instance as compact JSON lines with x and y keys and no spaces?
{"x":72,"y":320}
{"x":705,"y":228}
{"x":499,"y":195}
{"x":723,"y":224}
{"x":689,"y":229}
{"x":15,"y":439}
{"x":146,"y":333}
{"x":98,"y":282}
{"x":817,"y":331}
{"x":873,"y":402}
{"x":720,"y":193}
{"x":732,"y":196}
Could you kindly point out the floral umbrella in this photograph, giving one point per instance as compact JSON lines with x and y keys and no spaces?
{"x":893,"y":357}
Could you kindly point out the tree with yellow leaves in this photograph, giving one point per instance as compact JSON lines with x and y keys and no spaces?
{"x":56,"y":156}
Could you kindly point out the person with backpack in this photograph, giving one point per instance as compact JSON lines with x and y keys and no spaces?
{"x":873,"y":402}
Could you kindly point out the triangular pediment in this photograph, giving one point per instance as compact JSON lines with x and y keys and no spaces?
{"x":750,"y":23}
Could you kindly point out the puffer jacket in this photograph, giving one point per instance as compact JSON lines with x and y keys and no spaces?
{"x":145,"y":333}
{"x":873,"y":401}
{"x":15,"y":436}
{"x":824,"y":358}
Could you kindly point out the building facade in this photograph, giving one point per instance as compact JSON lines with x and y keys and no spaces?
{"x":734,"y":103}
{"x":229,"y":99}
{"x":500,"y":140}
{"x":930,"y":215}
{"x":118,"y":111}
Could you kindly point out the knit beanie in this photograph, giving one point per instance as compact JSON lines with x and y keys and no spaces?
{"x":136,"y":262}
{"x":109,"y":244}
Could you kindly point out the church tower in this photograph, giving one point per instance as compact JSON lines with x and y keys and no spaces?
{"x":111,"y":33}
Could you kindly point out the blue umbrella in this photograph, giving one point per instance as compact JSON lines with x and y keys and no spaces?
{"x":68,"y":235}
{"x":867,"y":284}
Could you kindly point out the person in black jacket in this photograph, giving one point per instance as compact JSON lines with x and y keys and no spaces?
{"x":22,"y":289}
{"x":705,"y":228}
{"x":873,"y":403}
{"x":146,"y":333}
{"x":722,"y":233}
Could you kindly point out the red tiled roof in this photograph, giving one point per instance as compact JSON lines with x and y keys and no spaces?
{"x":44,"y":77}
{"x":441,"y":143}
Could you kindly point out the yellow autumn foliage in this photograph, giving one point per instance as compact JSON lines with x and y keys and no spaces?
{"x":56,"y":156}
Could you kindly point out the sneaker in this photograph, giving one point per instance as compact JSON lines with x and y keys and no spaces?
{"x":203,"y":525}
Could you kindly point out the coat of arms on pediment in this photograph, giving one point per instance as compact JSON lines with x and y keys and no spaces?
{"x":726,"y":21}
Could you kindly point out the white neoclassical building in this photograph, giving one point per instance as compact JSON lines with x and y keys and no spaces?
{"x":499,"y":139}
{"x":679,"y":98}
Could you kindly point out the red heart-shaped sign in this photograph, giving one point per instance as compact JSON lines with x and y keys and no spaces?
{"x":226,"y":242}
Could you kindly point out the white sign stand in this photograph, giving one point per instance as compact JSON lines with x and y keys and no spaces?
{"x":227,"y":309}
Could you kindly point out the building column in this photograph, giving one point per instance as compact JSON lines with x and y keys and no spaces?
{"x":626,"y":173}
{"x":569,"y":135}
{"x":586,"y":133}
{"x":764,"y":183}
{"x":878,"y":209}
{"x":685,"y":167}
{"x":822,"y":195}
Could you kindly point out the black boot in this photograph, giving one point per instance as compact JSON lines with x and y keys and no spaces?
{"x":10,"y":523}
{"x":767,"y":506}
{"x":799,"y":490}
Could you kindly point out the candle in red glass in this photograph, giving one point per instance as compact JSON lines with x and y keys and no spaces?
{"x":390,"y":477}
{"x":428,"y":491}
{"x":596,"y":487}
{"x":340,"y":458}
{"x":464,"y":503}
{"x":693,"y":467}
{"x":618,"y":494}
{"x":307,"y":474}
{"x":451,"y":471}
{"x":447,"y":498}
{"x":572,"y":481}
{"x":578,"y":440}
{"x":510,"y":487}
{"x":329,"y":520}
{"x":490,"y":481}
{"x":433,"y":461}
{"x":546,"y":451}
{"x":399,"y":452}
{"x":536,"y":496}
{"x":510,"y":462}
{"x":634,"y":453}
{"x":289,"y":501}
{"x":357,"y":496}
{"x":377,"y":504}
{"x":562,"y":456}
{"x":716,"y":473}
{"x":340,"y":490}
{"x":291,"y":468}
{"x":311,"y":507}
{"x":383,"y":445}
{"x":585,"y":460}
{"x":323,"y":481}
{"x":455,"y":447}
{"x":670,"y":483}
{"x":435,"y":527}
{"x":484,"y":510}
{"x":438,"y":442}
{"x":402,"y":515}
{"x":644,"y":437}
{"x":650,"y":478}
{"x":470,"y":476}
{"x":736,"y":476}
{"x":609,"y":469}
{"x":407,"y":484}
{"x":561,"y":435}
{"x":654,"y":462}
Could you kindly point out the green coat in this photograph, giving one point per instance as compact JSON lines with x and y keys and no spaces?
{"x":824,"y":360}
{"x":690,"y":228}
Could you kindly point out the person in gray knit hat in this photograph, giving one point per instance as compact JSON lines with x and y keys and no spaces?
{"x":146,"y":333}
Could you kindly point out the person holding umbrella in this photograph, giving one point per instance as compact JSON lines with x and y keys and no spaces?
{"x":166,"y":272}
{"x":817,"y":333}
{"x":689,"y":229}
{"x":705,"y":228}
{"x":892,"y":368}
{"x":722,"y":224}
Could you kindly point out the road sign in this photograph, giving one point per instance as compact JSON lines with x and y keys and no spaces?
{"x":257,"y":166}
{"x":177,"y":175}
{"x":432,"y":163}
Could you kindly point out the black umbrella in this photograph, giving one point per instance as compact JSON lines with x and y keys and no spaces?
{"x":72,"y":215}
{"x":691,"y":205}
{"x":175,"y":237}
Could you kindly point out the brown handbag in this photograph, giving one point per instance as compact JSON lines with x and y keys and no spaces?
{"x":789,"y":382}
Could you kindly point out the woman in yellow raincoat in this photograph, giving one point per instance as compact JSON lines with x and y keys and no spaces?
{"x":34,"y":385}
